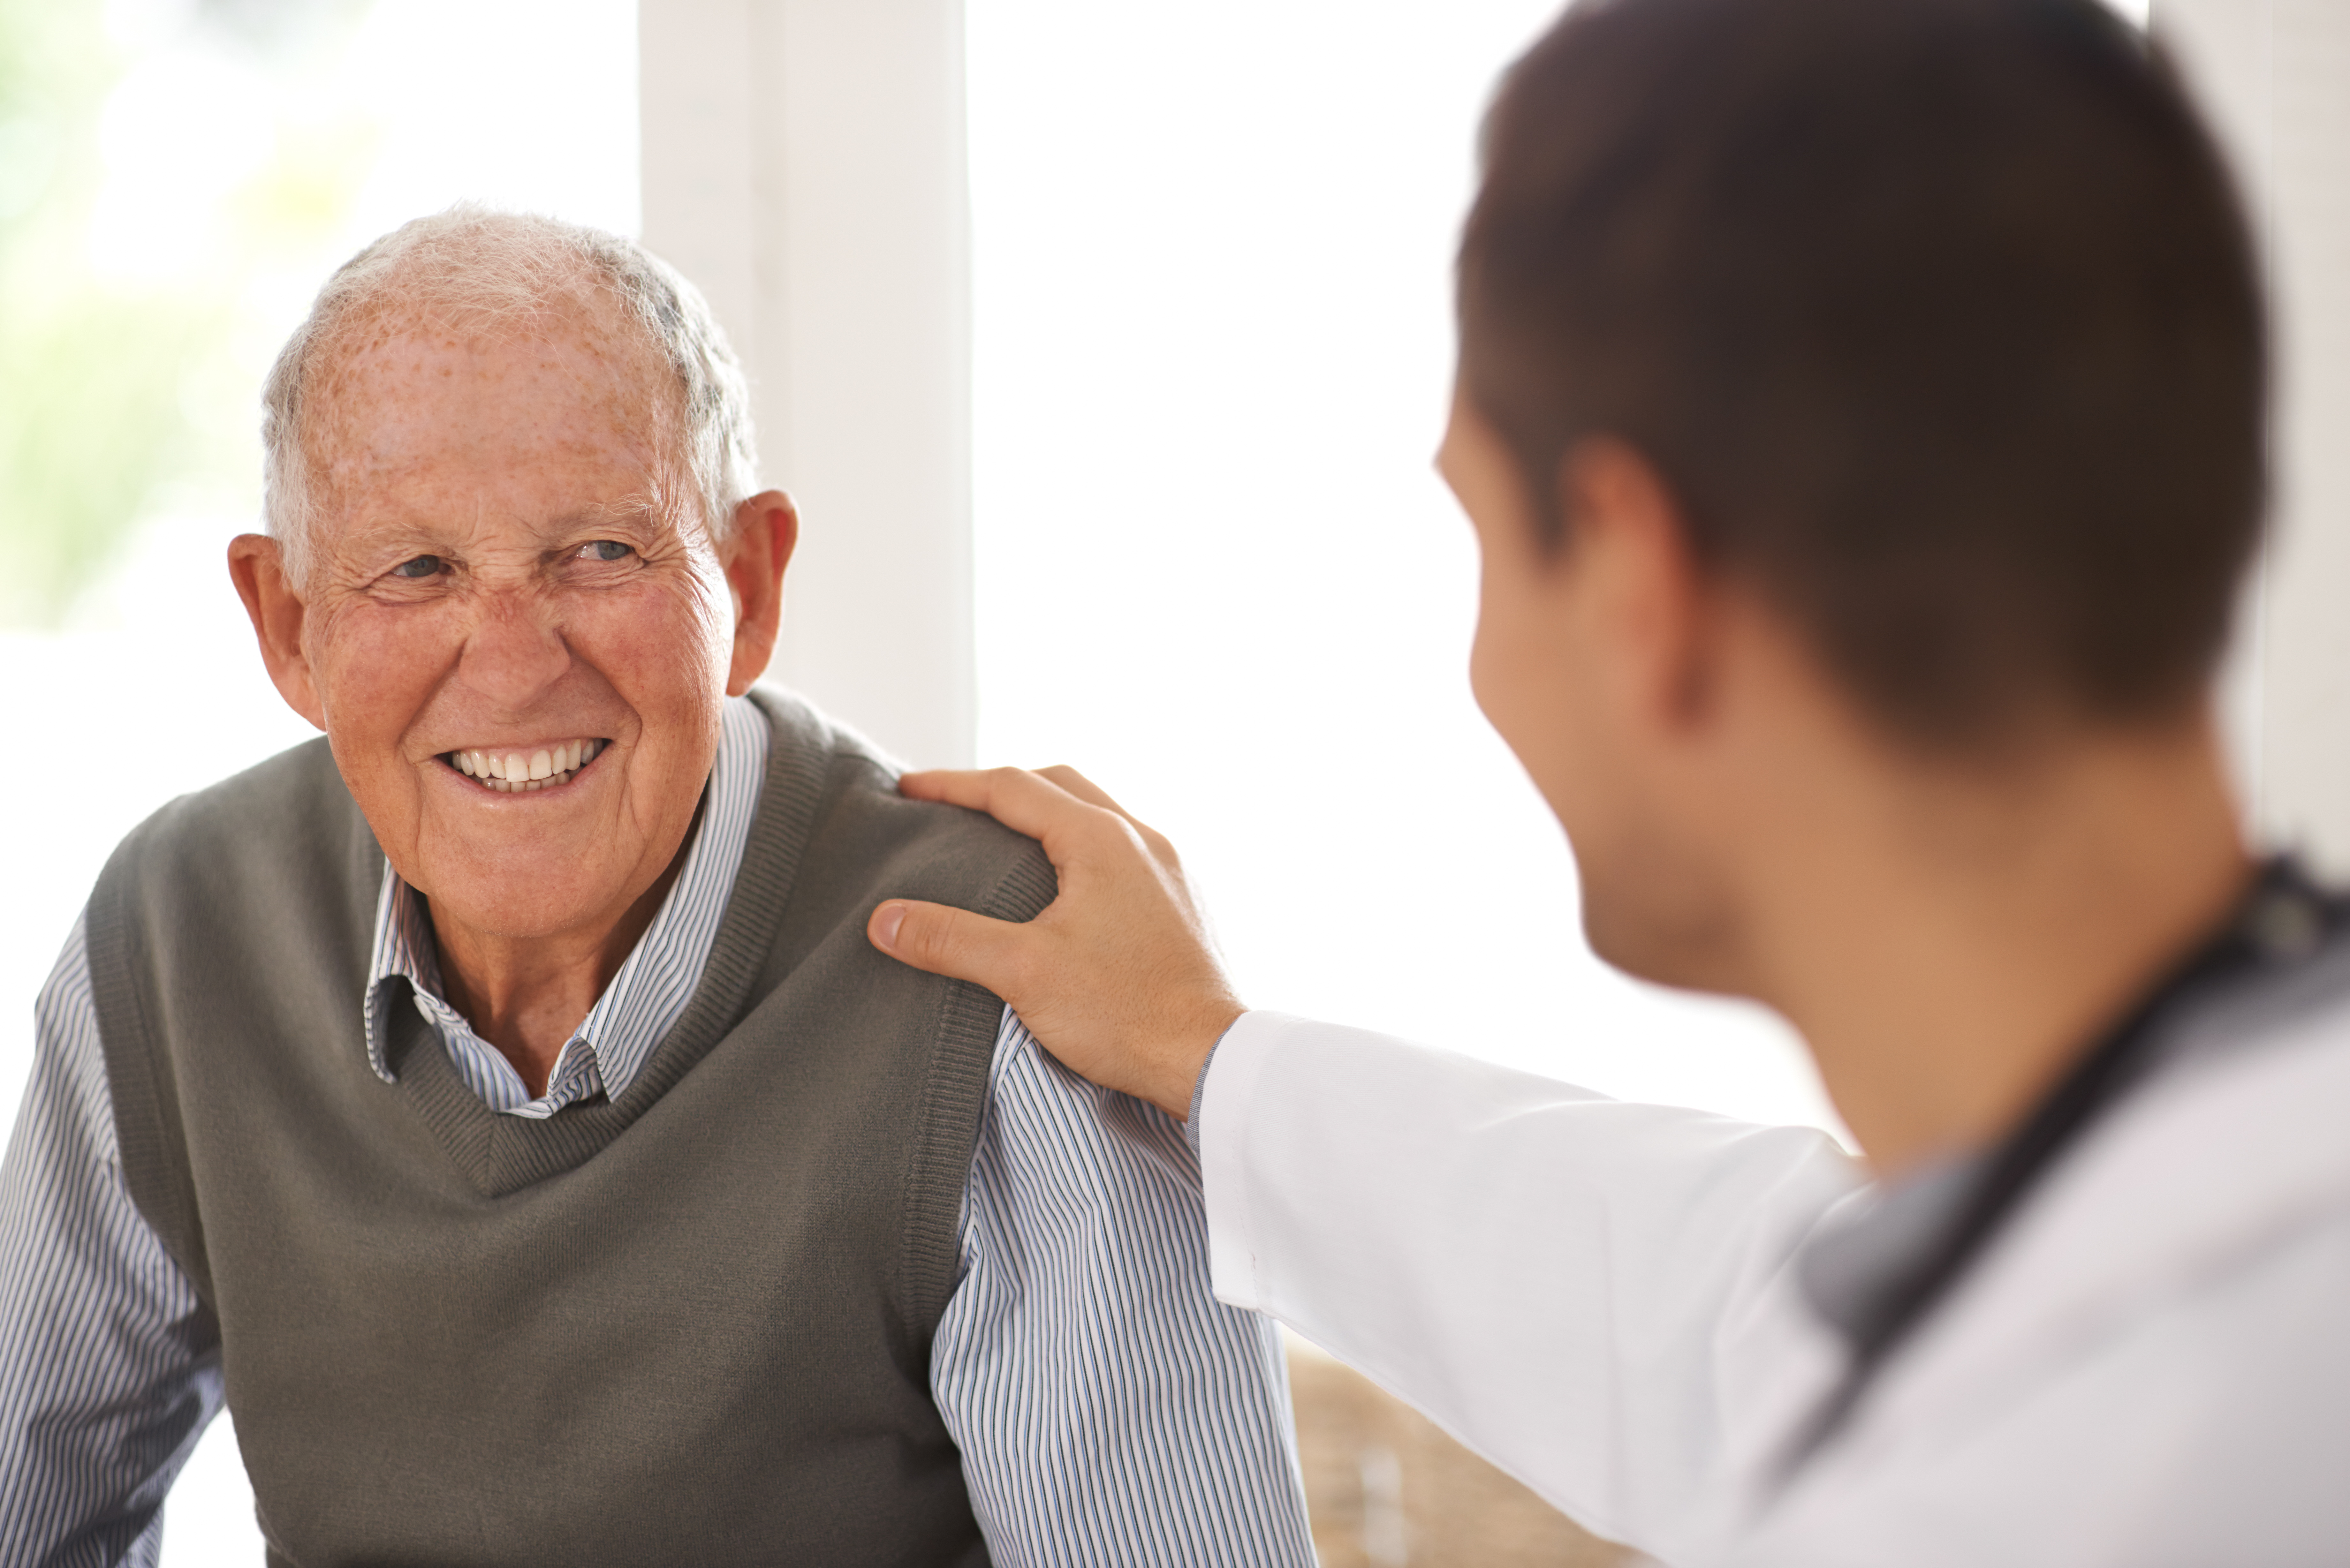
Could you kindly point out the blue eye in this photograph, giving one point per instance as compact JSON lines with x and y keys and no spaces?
{"x":604,"y":550}
{"x":421,"y":567}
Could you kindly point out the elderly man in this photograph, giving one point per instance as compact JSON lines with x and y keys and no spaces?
{"x":497,"y":1103}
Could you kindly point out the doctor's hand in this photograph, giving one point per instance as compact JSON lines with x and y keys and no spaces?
{"x":1116,"y":977}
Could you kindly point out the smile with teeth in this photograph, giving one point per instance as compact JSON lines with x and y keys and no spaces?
{"x":512,"y":772}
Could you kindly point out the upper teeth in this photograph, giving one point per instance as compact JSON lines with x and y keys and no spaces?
{"x":509,"y":772}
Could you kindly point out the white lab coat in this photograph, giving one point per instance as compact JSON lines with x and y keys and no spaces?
{"x":2150,"y":1366}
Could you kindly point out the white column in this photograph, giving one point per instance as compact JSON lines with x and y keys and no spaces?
{"x":2275,"y":76}
{"x":804,"y":162}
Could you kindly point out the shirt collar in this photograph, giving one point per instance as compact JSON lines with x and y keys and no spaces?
{"x":656,"y":981}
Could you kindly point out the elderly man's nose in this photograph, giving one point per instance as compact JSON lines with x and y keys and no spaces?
{"x":513,"y":655}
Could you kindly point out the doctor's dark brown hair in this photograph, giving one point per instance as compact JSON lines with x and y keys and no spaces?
{"x":1939,"y":316}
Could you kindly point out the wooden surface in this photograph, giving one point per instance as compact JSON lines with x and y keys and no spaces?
{"x":1388,"y":1489}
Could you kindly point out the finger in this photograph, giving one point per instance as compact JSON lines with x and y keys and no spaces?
{"x":1085,"y":789}
{"x":1023,"y":802}
{"x":951,"y":941}
{"x":956,"y":786}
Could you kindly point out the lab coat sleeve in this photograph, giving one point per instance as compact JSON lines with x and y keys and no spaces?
{"x":1592,"y":1294}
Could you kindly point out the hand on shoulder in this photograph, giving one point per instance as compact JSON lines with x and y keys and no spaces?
{"x":1117,"y":977}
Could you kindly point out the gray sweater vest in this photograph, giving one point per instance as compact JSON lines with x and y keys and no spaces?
{"x":689,"y":1326}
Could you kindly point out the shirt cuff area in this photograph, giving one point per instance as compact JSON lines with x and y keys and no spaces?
{"x":1199,"y":1092}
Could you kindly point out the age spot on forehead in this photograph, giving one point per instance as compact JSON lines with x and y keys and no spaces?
{"x":408,"y":393}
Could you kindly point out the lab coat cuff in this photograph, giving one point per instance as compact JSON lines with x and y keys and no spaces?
{"x":1222,"y":1118}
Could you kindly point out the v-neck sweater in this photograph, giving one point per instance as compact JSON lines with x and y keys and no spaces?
{"x":750,"y":1246}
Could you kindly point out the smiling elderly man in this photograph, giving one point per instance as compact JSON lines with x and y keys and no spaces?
{"x":498,"y":1104}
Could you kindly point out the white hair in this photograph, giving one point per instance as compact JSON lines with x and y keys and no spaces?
{"x":478,"y":272}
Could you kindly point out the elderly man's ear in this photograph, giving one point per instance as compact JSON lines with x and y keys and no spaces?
{"x":259,"y":572}
{"x":766,"y":528}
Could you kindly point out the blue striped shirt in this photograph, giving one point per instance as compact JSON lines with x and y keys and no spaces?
{"x":1107,"y":1408}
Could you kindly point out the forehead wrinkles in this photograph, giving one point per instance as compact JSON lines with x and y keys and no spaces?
{"x":373,"y":369}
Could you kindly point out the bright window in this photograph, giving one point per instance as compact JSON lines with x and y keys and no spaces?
{"x":1212,"y":252}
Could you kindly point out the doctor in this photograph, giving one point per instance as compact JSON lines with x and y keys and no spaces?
{"x":1861,"y":415}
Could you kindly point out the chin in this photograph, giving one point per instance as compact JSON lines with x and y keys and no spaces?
{"x":1628,"y":946}
{"x":515,"y":905}
{"x":1684,"y":941}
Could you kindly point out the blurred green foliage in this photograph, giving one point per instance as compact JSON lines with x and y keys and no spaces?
{"x":122,"y":395}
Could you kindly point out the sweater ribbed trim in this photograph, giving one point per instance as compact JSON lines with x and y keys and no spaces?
{"x":953,"y":1101}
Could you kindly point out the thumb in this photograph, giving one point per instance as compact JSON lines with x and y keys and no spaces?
{"x":947,"y":940}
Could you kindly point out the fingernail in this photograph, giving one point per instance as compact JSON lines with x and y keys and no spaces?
{"x":892,"y":916}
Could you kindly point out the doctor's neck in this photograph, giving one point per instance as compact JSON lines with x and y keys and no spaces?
{"x":1950,"y":937}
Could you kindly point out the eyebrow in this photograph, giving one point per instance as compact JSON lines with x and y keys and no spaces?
{"x":637,"y":507}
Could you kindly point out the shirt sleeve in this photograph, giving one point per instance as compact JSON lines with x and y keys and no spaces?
{"x":1110,"y":1409}
{"x":1594,"y":1294}
{"x":109,"y":1365}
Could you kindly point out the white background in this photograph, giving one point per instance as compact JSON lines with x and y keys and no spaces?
{"x":1217,"y":572}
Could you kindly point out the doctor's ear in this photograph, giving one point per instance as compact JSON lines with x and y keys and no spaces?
{"x":1636,"y":569}
{"x":766,"y":530}
{"x":257,"y":566}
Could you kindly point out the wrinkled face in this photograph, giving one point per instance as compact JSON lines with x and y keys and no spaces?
{"x":517,"y":624}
